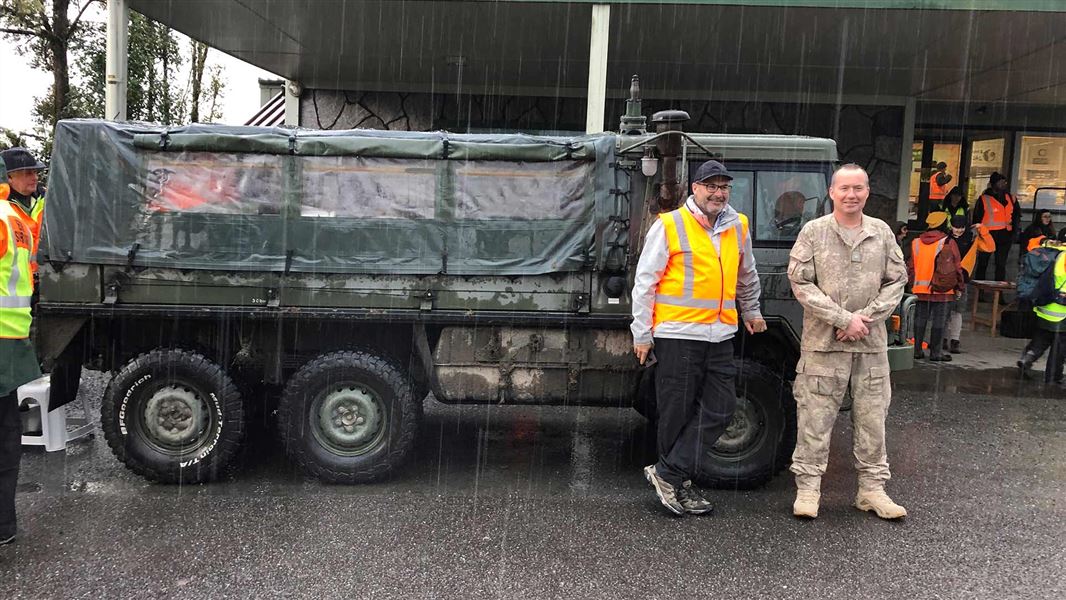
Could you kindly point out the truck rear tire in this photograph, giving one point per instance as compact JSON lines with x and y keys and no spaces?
{"x":173,"y":416}
{"x":759,"y":441}
{"x":349,"y":417}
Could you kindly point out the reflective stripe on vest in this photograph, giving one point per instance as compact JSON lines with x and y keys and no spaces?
{"x":925,"y":266}
{"x":32,"y":220}
{"x":16,"y":280}
{"x":1055,"y":312}
{"x":699,"y":284}
{"x":996,"y":215}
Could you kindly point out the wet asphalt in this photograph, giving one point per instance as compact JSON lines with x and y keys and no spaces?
{"x":527,"y":502}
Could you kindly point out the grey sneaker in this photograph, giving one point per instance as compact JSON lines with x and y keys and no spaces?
{"x":666,"y":493}
{"x":692,"y":500}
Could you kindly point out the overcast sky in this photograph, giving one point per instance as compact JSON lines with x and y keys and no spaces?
{"x":240,"y":99}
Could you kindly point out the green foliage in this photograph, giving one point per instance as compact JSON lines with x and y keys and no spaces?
{"x":155,"y":66}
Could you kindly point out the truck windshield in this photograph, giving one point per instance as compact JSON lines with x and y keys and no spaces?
{"x":777,"y":202}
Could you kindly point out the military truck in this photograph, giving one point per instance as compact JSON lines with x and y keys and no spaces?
{"x":361,"y":270}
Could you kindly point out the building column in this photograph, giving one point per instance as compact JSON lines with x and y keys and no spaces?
{"x":597,"y":92}
{"x":118,"y":31}
{"x":293,"y":91}
{"x":905,"y":161}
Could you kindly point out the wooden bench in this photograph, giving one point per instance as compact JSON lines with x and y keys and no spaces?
{"x":996,"y":288}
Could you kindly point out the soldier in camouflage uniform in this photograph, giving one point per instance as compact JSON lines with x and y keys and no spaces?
{"x":848,"y":272}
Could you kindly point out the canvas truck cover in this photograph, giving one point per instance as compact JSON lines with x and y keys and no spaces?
{"x":276,"y":199}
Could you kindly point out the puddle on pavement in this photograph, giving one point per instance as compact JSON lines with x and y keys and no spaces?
{"x":992,"y":382}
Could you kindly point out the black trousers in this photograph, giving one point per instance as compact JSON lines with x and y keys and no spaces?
{"x":935,"y":315}
{"x":10,"y":455}
{"x":1004,"y":241}
{"x":695,"y":388}
{"x":1056,"y":359}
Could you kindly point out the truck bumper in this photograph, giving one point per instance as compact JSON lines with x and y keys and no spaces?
{"x":901,"y":357}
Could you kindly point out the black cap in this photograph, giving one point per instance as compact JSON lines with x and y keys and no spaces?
{"x":20,"y":159}
{"x":711,"y":168}
{"x":959,"y":221}
{"x":995,"y":177}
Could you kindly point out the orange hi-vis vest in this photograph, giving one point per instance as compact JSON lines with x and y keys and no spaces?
{"x":699,"y":284}
{"x":32,"y":220}
{"x":937,"y":191}
{"x":996,"y":215}
{"x":1034,"y":242}
{"x":924,"y":256}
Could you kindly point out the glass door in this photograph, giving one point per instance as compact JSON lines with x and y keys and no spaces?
{"x":987,"y":156}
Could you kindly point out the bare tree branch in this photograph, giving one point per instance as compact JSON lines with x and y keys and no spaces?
{"x":19,"y":32}
{"x":77,"y":20}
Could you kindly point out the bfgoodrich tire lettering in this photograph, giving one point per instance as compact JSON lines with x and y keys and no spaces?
{"x":173,"y":416}
{"x":349,"y":417}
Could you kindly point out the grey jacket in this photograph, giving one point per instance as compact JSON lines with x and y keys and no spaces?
{"x":652,"y":265}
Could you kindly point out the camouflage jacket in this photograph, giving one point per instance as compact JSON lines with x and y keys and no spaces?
{"x":834,"y":280}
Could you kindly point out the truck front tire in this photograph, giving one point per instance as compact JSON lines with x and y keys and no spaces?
{"x":173,"y":416}
{"x":349,"y":417}
{"x":759,"y":441}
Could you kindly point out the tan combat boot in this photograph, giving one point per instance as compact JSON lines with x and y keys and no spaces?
{"x":806,"y":504}
{"x":878,"y":501}
{"x":807,"y":496}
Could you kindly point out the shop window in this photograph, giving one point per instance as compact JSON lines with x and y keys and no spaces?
{"x":1042,"y":164}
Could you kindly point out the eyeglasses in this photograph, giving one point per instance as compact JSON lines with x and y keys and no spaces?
{"x":712,"y":188}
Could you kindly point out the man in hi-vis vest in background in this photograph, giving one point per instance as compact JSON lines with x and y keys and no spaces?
{"x":696,"y":276}
{"x":997,"y":210}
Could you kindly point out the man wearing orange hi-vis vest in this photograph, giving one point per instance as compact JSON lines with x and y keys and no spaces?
{"x":18,"y":360}
{"x":937,"y":279}
{"x":998,"y":211}
{"x":24,"y":192}
{"x":695,"y":278}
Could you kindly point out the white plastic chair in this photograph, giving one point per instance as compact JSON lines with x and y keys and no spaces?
{"x":54,"y":435}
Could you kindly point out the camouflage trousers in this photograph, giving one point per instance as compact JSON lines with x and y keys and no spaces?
{"x":822,"y":378}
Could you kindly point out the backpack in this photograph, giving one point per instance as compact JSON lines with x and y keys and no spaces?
{"x":945,"y":271}
{"x":1036,"y":279}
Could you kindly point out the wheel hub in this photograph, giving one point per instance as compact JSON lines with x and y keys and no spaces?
{"x":174,"y":416}
{"x":744,"y":431}
{"x":349,"y":418}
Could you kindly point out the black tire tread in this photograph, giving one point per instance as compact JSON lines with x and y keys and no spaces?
{"x":315,"y":370}
{"x":783,"y":457}
{"x":228,"y":445}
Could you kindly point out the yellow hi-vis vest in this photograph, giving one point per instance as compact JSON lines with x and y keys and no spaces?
{"x":16,"y":279}
{"x":1055,"y":312}
{"x":699,"y":285}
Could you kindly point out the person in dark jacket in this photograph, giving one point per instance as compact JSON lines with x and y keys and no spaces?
{"x":1050,"y":332}
{"x":955,"y":204}
{"x":933,"y":306}
{"x":1040,"y":227}
{"x":964,"y":239}
{"x":997,"y":210}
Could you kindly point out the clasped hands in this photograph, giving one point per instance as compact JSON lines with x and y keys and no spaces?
{"x":857,"y":329}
